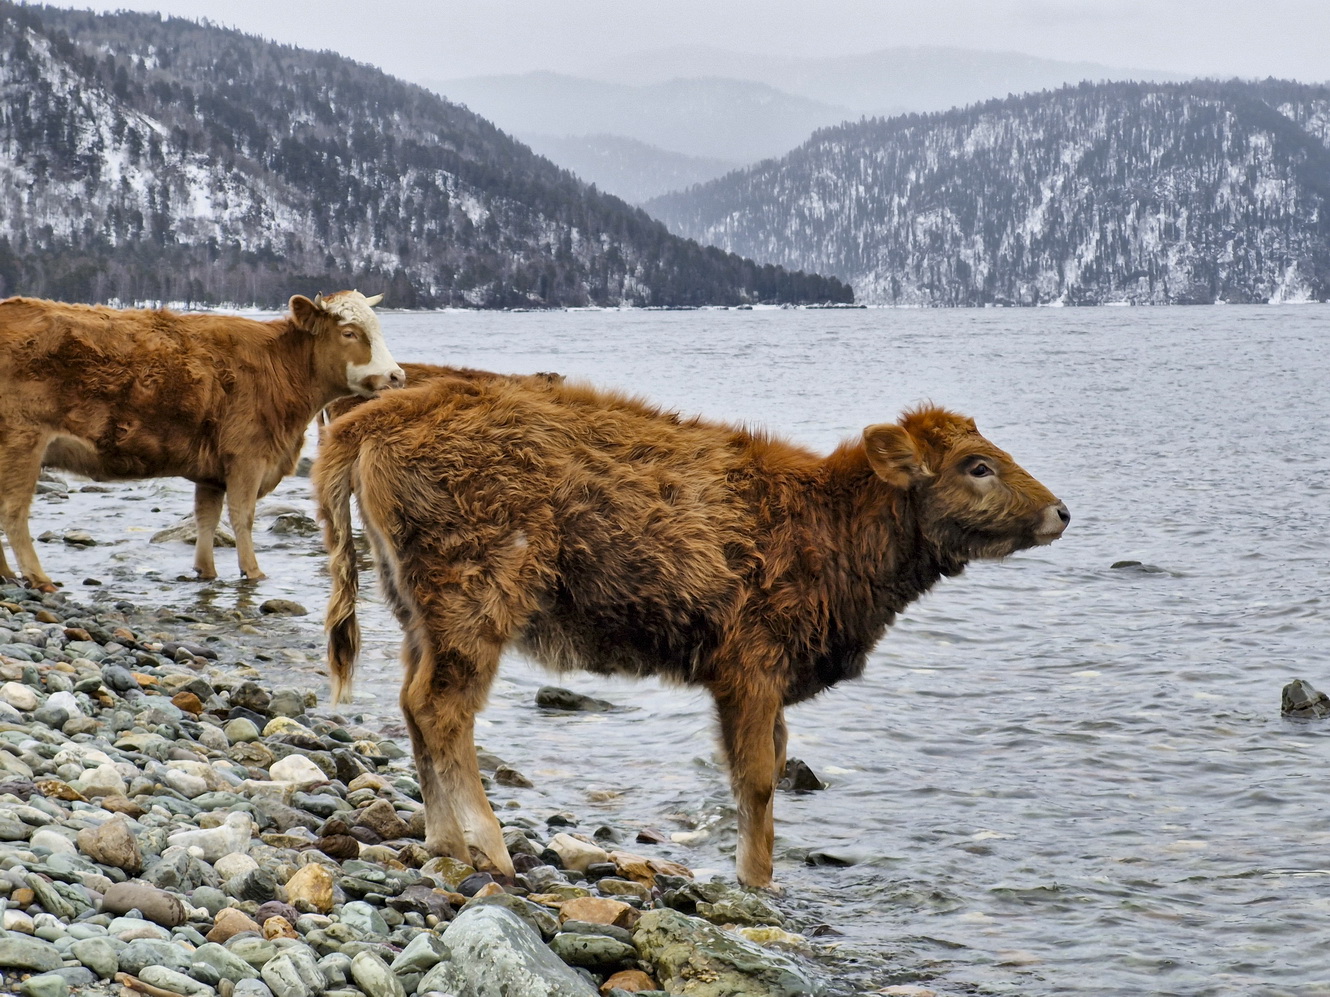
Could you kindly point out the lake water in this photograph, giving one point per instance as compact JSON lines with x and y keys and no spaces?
{"x":1056,"y":777}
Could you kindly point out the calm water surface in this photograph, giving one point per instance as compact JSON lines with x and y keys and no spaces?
{"x":1056,"y":777}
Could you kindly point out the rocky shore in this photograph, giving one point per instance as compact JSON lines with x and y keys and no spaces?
{"x":171,"y":826}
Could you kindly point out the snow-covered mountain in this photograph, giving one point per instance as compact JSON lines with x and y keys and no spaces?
{"x":1142,"y":193}
{"x":152,"y":159}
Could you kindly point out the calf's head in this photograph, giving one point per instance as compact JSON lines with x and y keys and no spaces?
{"x":349,"y":340}
{"x":972,"y":499}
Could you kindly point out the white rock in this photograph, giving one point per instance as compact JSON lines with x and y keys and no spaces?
{"x":66,"y":701}
{"x":104,"y":780}
{"x":187,"y":785}
{"x":235,"y":864}
{"x":16,"y":920}
{"x":52,"y":839}
{"x":210,"y":844}
{"x":576,"y":853}
{"x":296,"y":769}
{"x":19,"y":696}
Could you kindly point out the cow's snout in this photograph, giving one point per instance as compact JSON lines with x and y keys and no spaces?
{"x":1054,"y":521}
{"x":395,"y":378}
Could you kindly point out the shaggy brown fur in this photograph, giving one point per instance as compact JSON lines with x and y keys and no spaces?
{"x":418,"y":373}
{"x":595,"y":531}
{"x":218,"y":399}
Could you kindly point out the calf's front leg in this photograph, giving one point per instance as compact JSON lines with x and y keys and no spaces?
{"x":20,"y":467}
{"x":750,"y":726}
{"x":242,"y":495}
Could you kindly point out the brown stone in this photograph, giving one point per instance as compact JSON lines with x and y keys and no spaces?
{"x":133,"y":986}
{"x":338,"y":846}
{"x":382,"y":819}
{"x":46,"y":616}
{"x":121,"y":805}
{"x":77,"y":633}
{"x":631,"y":980}
{"x":229,"y":922}
{"x":598,"y":910}
{"x":145,"y":681}
{"x":278,"y":927}
{"x":488,"y":890}
{"x":188,"y":702}
{"x":113,"y":844}
{"x":156,"y":905}
{"x":55,"y":789}
{"x":22,"y":897}
{"x":650,"y":836}
{"x":641,"y":869}
{"x":311,"y":889}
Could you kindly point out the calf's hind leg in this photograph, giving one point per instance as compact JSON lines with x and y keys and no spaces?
{"x":443,"y":691}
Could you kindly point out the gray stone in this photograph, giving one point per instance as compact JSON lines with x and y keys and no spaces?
{"x":538,"y":918}
{"x":251,"y":988}
{"x":45,"y":985}
{"x":551,"y":697}
{"x":98,"y":954}
{"x":180,"y":983}
{"x":294,"y":973}
{"x":143,"y":952}
{"x":364,"y":919}
{"x":374,"y":977}
{"x":254,"y":950}
{"x":336,"y":968}
{"x":688,"y":952}
{"x":210,"y":899}
{"x":495,"y":953}
{"x":20,"y":952}
{"x":227,"y":965}
{"x":1299,"y":699}
{"x":421,"y":954}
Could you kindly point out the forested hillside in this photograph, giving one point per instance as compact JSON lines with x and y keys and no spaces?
{"x":144,"y":158}
{"x":1117,"y":192}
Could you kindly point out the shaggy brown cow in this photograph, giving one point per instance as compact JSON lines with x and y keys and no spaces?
{"x":221,"y":400}
{"x":595,"y":531}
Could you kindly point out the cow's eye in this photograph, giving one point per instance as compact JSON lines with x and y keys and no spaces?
{"x":348,"y":333}
{"x":980,"y":470}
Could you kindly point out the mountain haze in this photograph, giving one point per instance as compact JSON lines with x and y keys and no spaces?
{"x":144,"y":158}
{"x":626,"y":167}
{"x":1134,"y":193}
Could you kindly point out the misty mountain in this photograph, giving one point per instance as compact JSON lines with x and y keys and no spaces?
{"x":144,"y":158}
{"x":1134,"y":193}
{"x":626,"y":167}
{"x":882,"y":83}
{"x":727,"y":119}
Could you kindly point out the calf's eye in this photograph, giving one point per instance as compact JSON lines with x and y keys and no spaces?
{"x":980,"y":470}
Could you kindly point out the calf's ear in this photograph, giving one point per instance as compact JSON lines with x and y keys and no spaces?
{"x":894,"y":456}
{"x":307,"y":314}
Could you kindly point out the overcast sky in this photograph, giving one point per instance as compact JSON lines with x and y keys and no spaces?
{"x":441,"y":39}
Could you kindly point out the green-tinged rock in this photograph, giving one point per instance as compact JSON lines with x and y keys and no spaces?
{"x":592,"y":951}
{"x":21,"y":952}
{"x":227,"y":965}
{"x":180,"y":983}
{"x":421,"y":954}
{"x":97,"y":954}
{"x":494,"y":953}
{"x":143,"y":952}
{"x":374,"y":977}
{"x":46,"y":985}
{"x":689,"y":955}
{"x":722,"y":903}
{"x":254,"y":950}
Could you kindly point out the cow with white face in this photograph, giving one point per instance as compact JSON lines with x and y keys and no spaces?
{"x":219,"y":399}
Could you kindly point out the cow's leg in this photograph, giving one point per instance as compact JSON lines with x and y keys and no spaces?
{"x":782,"y":739}
{"x":20,"y":467}
{"x":207,"y":514}
{"x":242,"y":494}
{"x":444,"y":689}
{"x":749,"y":722}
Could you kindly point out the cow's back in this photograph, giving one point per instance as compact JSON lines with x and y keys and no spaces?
{"x":638,"y":532}
{"x":128,"y":393}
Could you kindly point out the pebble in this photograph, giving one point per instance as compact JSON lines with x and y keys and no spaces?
{"x":169,"y":822}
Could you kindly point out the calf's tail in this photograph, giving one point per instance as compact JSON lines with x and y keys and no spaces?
{"x":333,"y":476}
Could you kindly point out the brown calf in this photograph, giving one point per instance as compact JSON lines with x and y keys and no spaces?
{"x":418,"y":373}
{"x":594,"y":531}
{"x":221,"y":400}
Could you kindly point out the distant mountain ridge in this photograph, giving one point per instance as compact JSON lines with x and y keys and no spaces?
{"x":1133,"y":193}
{"x":626,"y":167}
{"x":144,"y":158}
{"x":719,"y":118}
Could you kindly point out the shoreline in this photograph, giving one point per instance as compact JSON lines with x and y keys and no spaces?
{"x":133,"y":760}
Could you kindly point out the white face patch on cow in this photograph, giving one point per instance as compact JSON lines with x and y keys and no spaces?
{"x":367,"y":379}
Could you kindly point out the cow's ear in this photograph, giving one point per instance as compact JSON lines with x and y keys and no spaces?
{"x":308,"y":315}
{"x":894,"y":456}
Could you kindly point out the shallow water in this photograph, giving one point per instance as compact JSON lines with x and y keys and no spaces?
{"x":1057,"y":777}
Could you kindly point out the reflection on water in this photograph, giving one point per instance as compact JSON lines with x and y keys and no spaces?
{"x":1057,"y":777}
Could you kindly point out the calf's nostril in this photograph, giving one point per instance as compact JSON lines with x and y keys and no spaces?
{"x":1064,"y":515}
